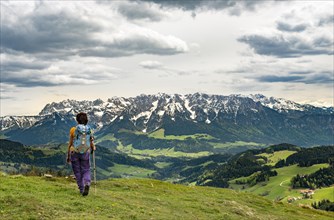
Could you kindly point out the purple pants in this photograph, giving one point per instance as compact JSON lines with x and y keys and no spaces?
{"x":81,"y":169}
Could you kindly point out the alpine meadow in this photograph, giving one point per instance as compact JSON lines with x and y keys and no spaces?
{"x":167,"y":109}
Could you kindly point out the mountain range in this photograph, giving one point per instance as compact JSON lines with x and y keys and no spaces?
{"x":253,"y":118}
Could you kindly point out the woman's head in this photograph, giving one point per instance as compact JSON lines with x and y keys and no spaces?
{"x":82,"y":118}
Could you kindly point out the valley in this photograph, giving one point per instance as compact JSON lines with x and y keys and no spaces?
{"x":257,"y":171}
{"x":194,"y":140}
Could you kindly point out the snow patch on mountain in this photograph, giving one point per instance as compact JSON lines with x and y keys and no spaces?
{"x":197,"y":107}
{"x":10,"y":122}
{"x":278,"y":104}
{"x":192,"y":113}
{"x":161,"y":113}
{"x":98,"y":113}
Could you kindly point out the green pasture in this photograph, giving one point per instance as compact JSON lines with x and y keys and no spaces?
{"x":160,"y":134}
{"x":273,"y":158}
{"x":168,"y":152}
{"x":58,"y":198}
{"x":278,"y":187}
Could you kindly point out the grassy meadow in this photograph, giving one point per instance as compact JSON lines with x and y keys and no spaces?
{"x":228,"y":147}
{"x":278,"y":187}
{"x":57,"y":198}
{"x":148,"y":153}
{"x":160,"y":134}
{"x":276,"y":156}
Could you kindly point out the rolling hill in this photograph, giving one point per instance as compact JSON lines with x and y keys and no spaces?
{"x":57,"y":198}
{"x":285,"y":163}
{"x":265,"y":172}
{"x":17,"y":158}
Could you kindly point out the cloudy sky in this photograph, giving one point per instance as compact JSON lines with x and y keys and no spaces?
{"x":84,"y":50}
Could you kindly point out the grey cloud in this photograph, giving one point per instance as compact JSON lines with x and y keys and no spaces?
{"x":143,"y":11}
{"x":326,"y":20}
{"x":239,"y":70}
{"x":4,"y":89}
{"x":36,"y":80}
{"x":62,"y":35}
{"x":274,"y":78}
{"x":151,"y":64}
{"x":208,"y":4}
{"x":250,"y":87}
{"x":183,"y":73}
{"x":325,"y":77}
{"x":5,"y":97}
{"x":301,"y":72}
{"x":188,"y":5}
{"x":128,"y":50}
{"x":282,"y":26}
{"x":140,"y":11}
{"x":138,"y":44}
{"x":19,"y":71}
{"x":48,"y":33}
{"x":25,"y":80}
{"x":328,"y":72}
{"x":43,"y":78}
{"x":176,"y":72}
{"x":285,"y":47}
{"x":304,"y":61}
{"x":155,"y":65}
{"x":323,"y":42}
{"x":14,"y":66}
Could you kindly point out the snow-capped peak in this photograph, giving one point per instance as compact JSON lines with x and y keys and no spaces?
{"x":278,"y":104}
{"x":148,"y":110}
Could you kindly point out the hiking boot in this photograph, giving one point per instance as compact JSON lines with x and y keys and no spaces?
{"x":86,"y":191}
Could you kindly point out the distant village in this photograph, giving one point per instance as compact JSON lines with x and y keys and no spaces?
{"x":306,"y":194}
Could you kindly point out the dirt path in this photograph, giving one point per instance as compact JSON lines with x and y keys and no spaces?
{"x":282,"y":183}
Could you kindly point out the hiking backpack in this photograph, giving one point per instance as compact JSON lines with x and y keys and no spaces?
{"x":82,"y":137}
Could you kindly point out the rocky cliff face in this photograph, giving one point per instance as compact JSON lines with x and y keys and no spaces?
{"x":228,"y":118}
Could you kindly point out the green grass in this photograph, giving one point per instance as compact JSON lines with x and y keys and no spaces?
{"x":279,"y":186}
{"x":324,"y":193}
{"x":40,"y":198}
{"x":273,"y":158}
{"x":2,"y":136}
{"x":320,"y":194}
{"x":9,"y":167}
{"x":160,"y":134}
{"x":130,"y":171}
{"x":168,"y":152}
{"x":227,"y":145}
{"x":162,"y":164}
{"x":234,"y":147}
{"x":108,"y":137}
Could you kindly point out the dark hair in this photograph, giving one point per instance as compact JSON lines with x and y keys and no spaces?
{"x":82,"y":118}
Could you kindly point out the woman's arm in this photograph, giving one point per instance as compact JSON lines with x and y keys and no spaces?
{"x":70,"y":144}
{"x":92,"y":145}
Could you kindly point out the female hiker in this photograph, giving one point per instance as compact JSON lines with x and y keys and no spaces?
{"x":80,"y":145}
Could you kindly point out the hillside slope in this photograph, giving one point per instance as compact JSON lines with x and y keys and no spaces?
{"x":39,"y":198}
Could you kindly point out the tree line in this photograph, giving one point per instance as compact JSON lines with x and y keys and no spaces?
{"x":324,"y":204}
{"x":321,"y":178}
{"x":241,"y":165}
{"x":310,"y":156}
